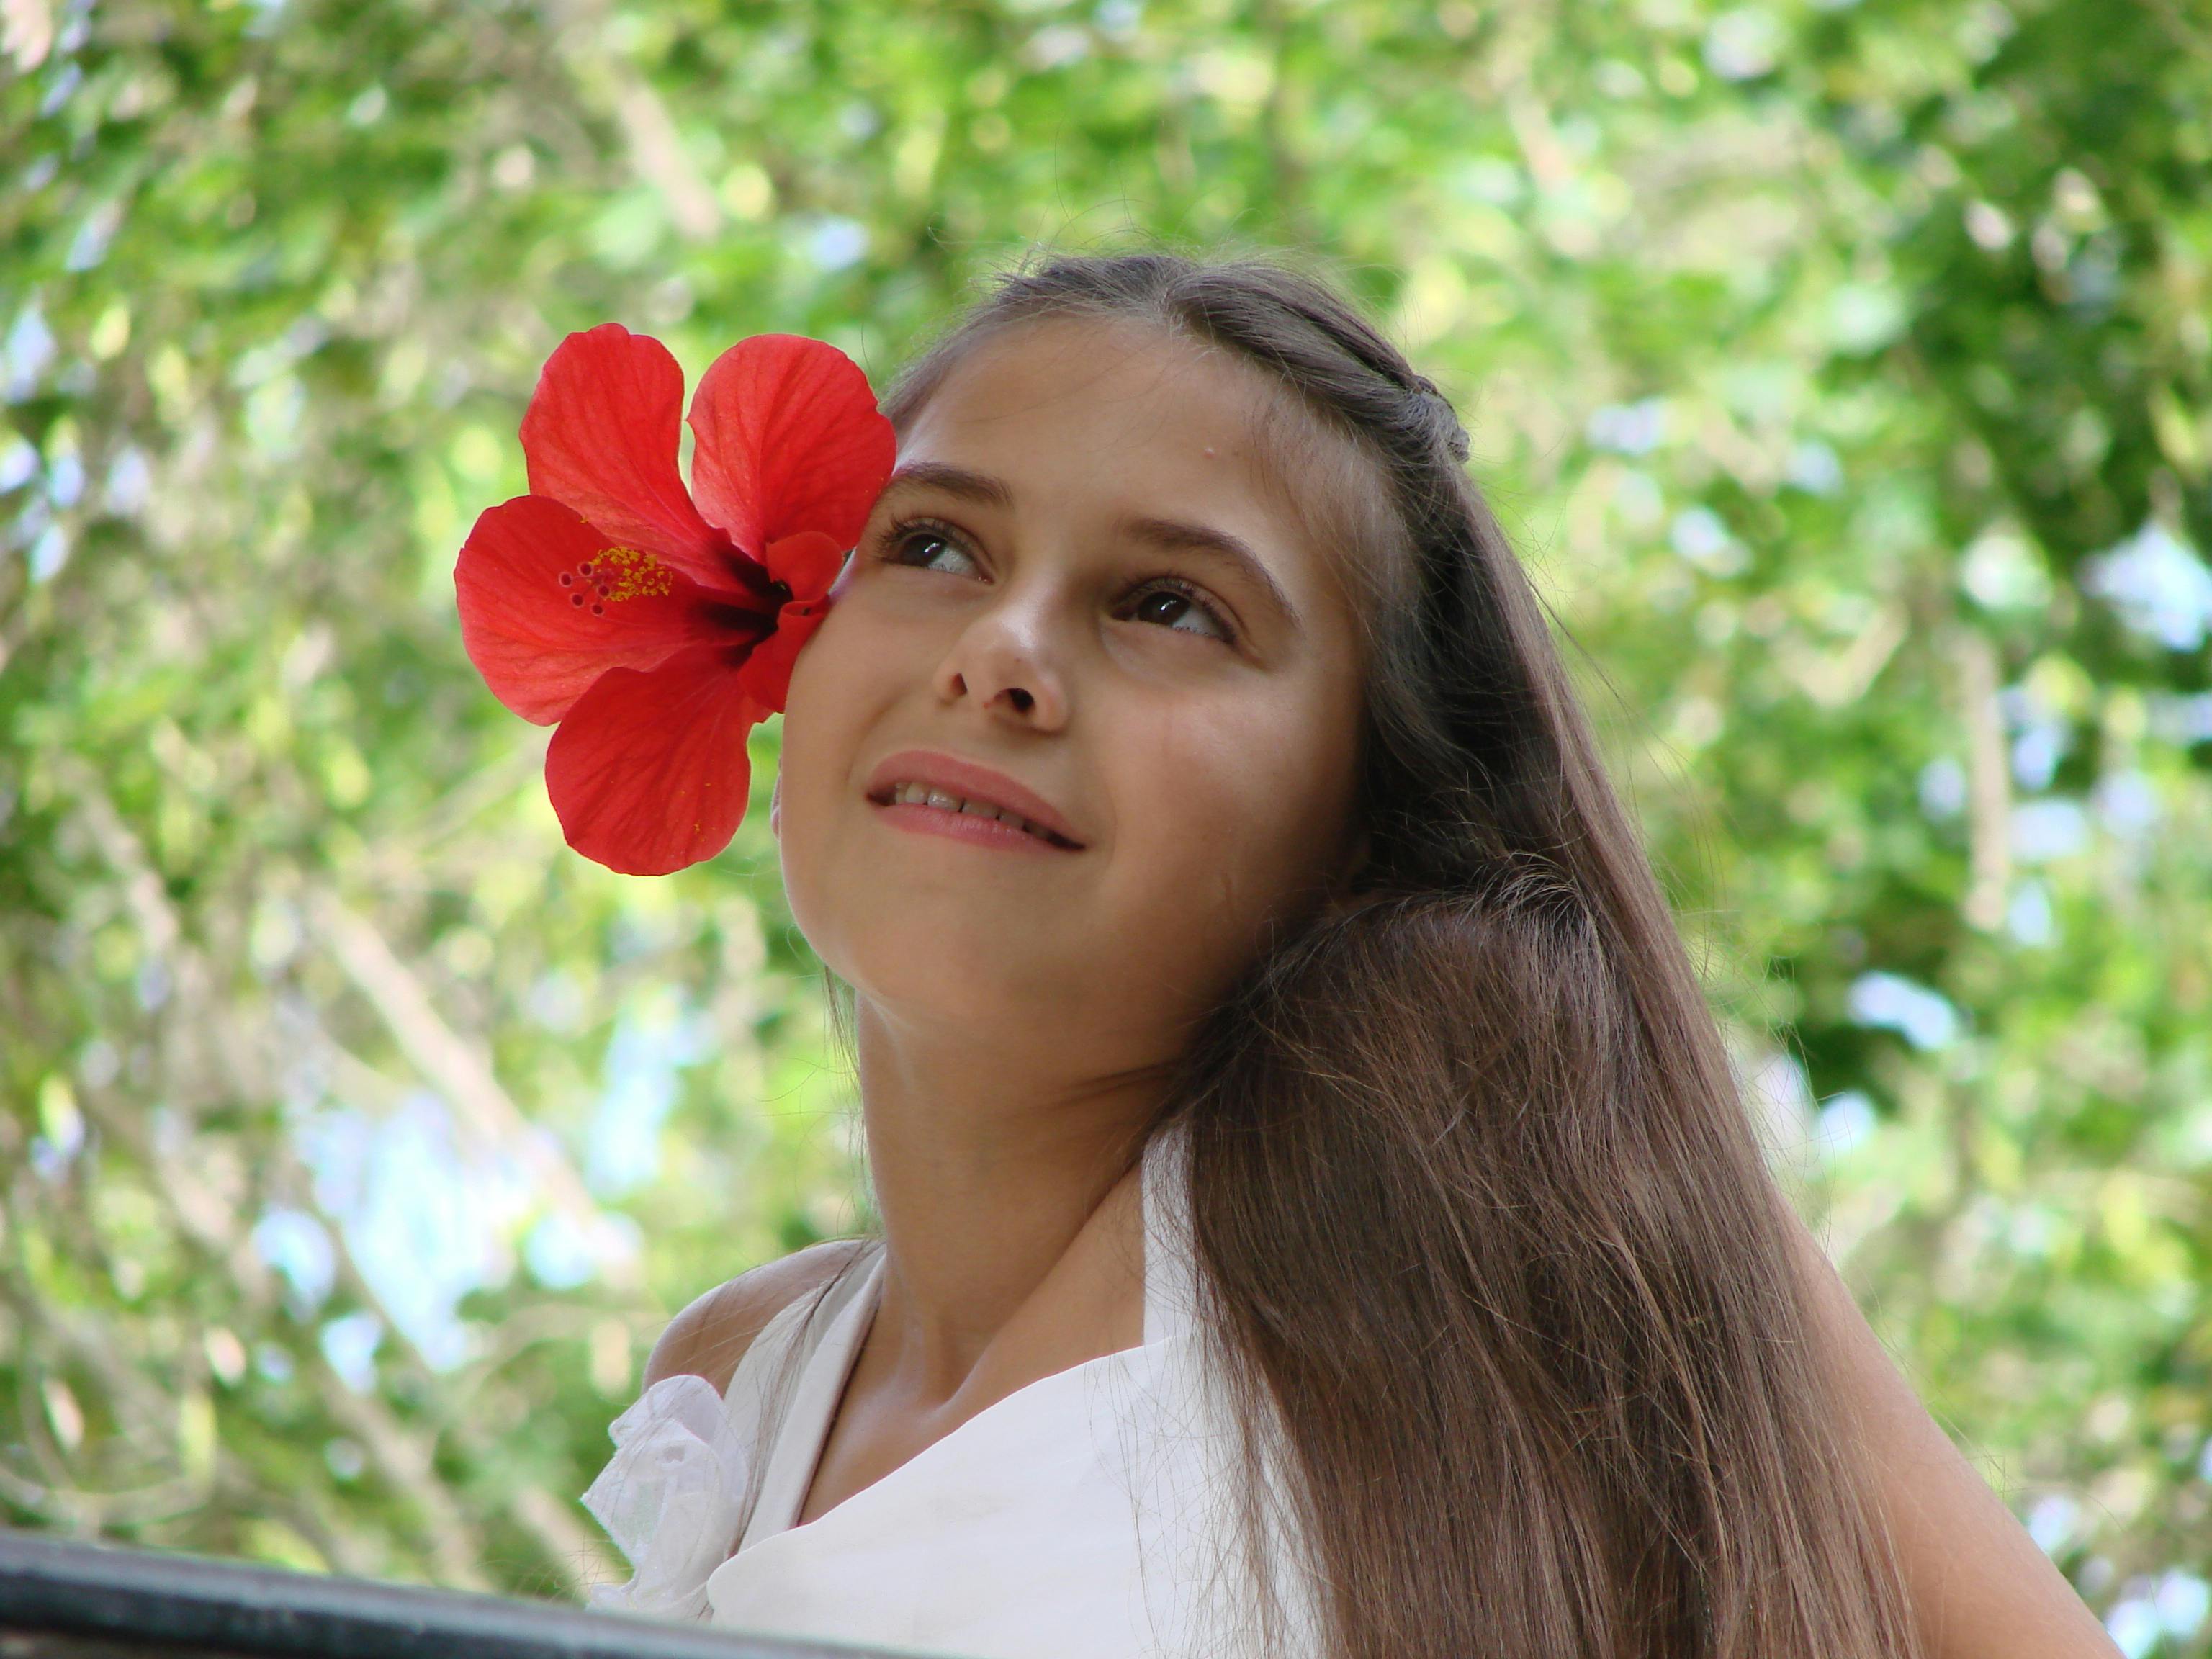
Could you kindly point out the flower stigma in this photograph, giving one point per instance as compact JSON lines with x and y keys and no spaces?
{"x":615,"y":574}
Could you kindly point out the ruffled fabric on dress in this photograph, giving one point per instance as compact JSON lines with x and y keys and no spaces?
{"x":670,"y":1498}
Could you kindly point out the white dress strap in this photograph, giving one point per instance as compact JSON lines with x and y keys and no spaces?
{"x":796,"y":1428}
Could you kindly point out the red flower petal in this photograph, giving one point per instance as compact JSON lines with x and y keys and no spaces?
{"x":547,"y":605}
{"x":790,"y":439}
{"x":649,"y":772}
{"x":601,"y":435}
{"x":806,"y":563}
{"x":765,"y":674}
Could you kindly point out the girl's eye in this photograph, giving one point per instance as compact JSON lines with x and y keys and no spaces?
{"x":1171,"y":606}
{"x":923,"y":548}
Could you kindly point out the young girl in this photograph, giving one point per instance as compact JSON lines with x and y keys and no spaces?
{"x":1317,"y":1216}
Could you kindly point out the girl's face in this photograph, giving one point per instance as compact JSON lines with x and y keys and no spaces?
{"x":1083,"y":721}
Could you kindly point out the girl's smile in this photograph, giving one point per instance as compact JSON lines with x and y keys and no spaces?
{"x":928,"y":793}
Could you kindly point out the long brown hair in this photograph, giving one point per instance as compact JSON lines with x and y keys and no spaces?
{"x":1488,"y":1245}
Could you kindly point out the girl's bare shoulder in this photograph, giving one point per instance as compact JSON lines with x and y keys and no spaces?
{"x":708,"y":1338}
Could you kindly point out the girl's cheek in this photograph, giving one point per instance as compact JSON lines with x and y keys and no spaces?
{"x":831,"y":667}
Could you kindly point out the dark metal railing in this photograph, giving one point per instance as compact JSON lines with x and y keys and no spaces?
{"x":69,"y":1601}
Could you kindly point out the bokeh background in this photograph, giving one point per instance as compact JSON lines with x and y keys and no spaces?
{"x":1843,"y":370}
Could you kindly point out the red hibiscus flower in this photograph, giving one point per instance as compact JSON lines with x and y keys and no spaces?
{"x":658,"y":625}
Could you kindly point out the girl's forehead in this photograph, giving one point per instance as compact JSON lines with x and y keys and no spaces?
{"x":1131,"y":390}
{"x":1123,"y":379}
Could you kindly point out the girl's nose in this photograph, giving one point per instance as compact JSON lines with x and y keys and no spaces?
{"x":1004,"y":663}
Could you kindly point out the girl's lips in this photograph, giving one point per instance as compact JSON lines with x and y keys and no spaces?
{"x":924,"y":819}
{"x":943,"y":794}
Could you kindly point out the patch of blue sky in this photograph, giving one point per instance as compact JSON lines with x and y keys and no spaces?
{"x":130,"y":482}
{"x":1120,"y":18}
{"x":154,"y":982}
{"x":335,"y":1146}
{"x":1923,"y":1018}
{"x":19,"y":464}
{"x":62,"y":87}
{"x":562,"y":1253}
{"x":90,"y":245}
{"x":2041,"y":737}
{"x":2043,"y":830}
{"x":1814,"y":468}
{"x":297,"y":1245}
{"x":1942,"y":788}
{"x":65,"y":479}
{"x":2126,"y":803}
{"x":836,"y":244}
{"x":24,"y":355}
{"x":1698,"y":536}
{"x":2158,"y":586}
{"x":49,"y":553}
{"x":349,"y":1343}
{"x":48,"y":1161}
{"x":2184,"y":1601}
{"x":1636,"y":428}
{"x":1743,"y":44}
{"x":425,"y":1222}
{"x":2036,"y":753}
{"x":656,"y":1037}
{"x":2051,"y":1523}
{"x":2175,"y":1605}
{"x":1844,"y":1124}
{"x":2029,"y":918}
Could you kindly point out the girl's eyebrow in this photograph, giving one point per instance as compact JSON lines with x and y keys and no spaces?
{"x":977,"y":487}
{"x":1174,"y":536}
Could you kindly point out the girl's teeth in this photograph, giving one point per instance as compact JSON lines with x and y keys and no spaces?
{"x":921,"y":794}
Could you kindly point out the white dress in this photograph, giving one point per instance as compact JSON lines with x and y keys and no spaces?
{"x":1086,"y":1516}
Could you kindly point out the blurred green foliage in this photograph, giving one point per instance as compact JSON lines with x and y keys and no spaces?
{"x":1844,"y":370}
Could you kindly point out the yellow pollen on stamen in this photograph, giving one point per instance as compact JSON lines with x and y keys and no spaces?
{"x":624,"y":573}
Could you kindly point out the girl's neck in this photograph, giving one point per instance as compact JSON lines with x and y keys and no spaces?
{"x":1004,"y":1178}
